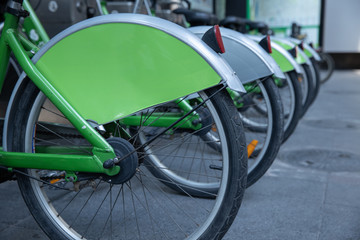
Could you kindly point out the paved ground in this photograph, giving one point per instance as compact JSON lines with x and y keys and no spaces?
{"x":311,"y":192}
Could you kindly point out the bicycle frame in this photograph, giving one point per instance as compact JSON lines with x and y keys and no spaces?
{"x":33,"y":27}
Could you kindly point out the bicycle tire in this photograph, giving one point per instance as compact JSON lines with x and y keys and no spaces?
{"x":54,"y":211}
{"x":294,"y":108}
{"x":308,"y":99}
{"x":327,"y":66}
{"x":314,"y":69}
{"x":266,"y":152}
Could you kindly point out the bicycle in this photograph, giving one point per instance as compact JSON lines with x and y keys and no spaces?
{"x":106,"y":164}
{"x":171,"y":179}
{"x":324,"y":60}
{"x":291,"y":93}
{"x":290,"y":88}
{"x":304,"y":55}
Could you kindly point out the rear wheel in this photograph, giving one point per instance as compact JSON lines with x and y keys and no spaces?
{"x":142,"y":207}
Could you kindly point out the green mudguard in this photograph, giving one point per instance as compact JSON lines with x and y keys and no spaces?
{"x":121,"y":66}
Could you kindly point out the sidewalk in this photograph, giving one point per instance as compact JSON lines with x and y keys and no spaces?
{"x":311,"y":192}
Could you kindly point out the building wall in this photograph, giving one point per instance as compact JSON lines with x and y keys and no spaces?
{"x":341,"y":33}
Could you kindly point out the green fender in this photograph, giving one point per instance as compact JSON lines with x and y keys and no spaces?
{"x":308,"y":53}
{"x":281,"y":60}
{"x":112,"y":66}
{"x":299,"y":59}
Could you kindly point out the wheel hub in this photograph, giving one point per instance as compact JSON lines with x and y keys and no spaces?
{"x":127,"y":165}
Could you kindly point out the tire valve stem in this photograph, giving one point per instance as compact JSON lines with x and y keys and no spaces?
{"x":251,"y":147}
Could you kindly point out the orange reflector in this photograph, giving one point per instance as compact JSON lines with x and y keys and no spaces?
{"x":213,"y":128}
{"x":54,"y":180}
{"x":251,"y":147}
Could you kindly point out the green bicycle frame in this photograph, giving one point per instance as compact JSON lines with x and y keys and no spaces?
{"x":33,"y":27}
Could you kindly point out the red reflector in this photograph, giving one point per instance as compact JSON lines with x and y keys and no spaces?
{"x":219,"y":39}
{"x":269,"y":43}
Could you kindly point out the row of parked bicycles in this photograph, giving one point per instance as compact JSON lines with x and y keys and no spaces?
{"x":129,"y":126}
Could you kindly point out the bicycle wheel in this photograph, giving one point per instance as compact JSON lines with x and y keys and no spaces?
{"x":291,"y":97}
{"x":327,"y":66}
{"x":96,"y":208}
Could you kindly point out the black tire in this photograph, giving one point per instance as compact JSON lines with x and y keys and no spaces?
{"x":308,"y":99}
{"x":54,"y":209}
{"x":314,"y":68}
{"x":293,"y":109}
{"x":269,"y":138}
{"x":327,"y":66}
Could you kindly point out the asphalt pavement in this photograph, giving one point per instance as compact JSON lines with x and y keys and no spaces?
{"x":311,"y":192}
